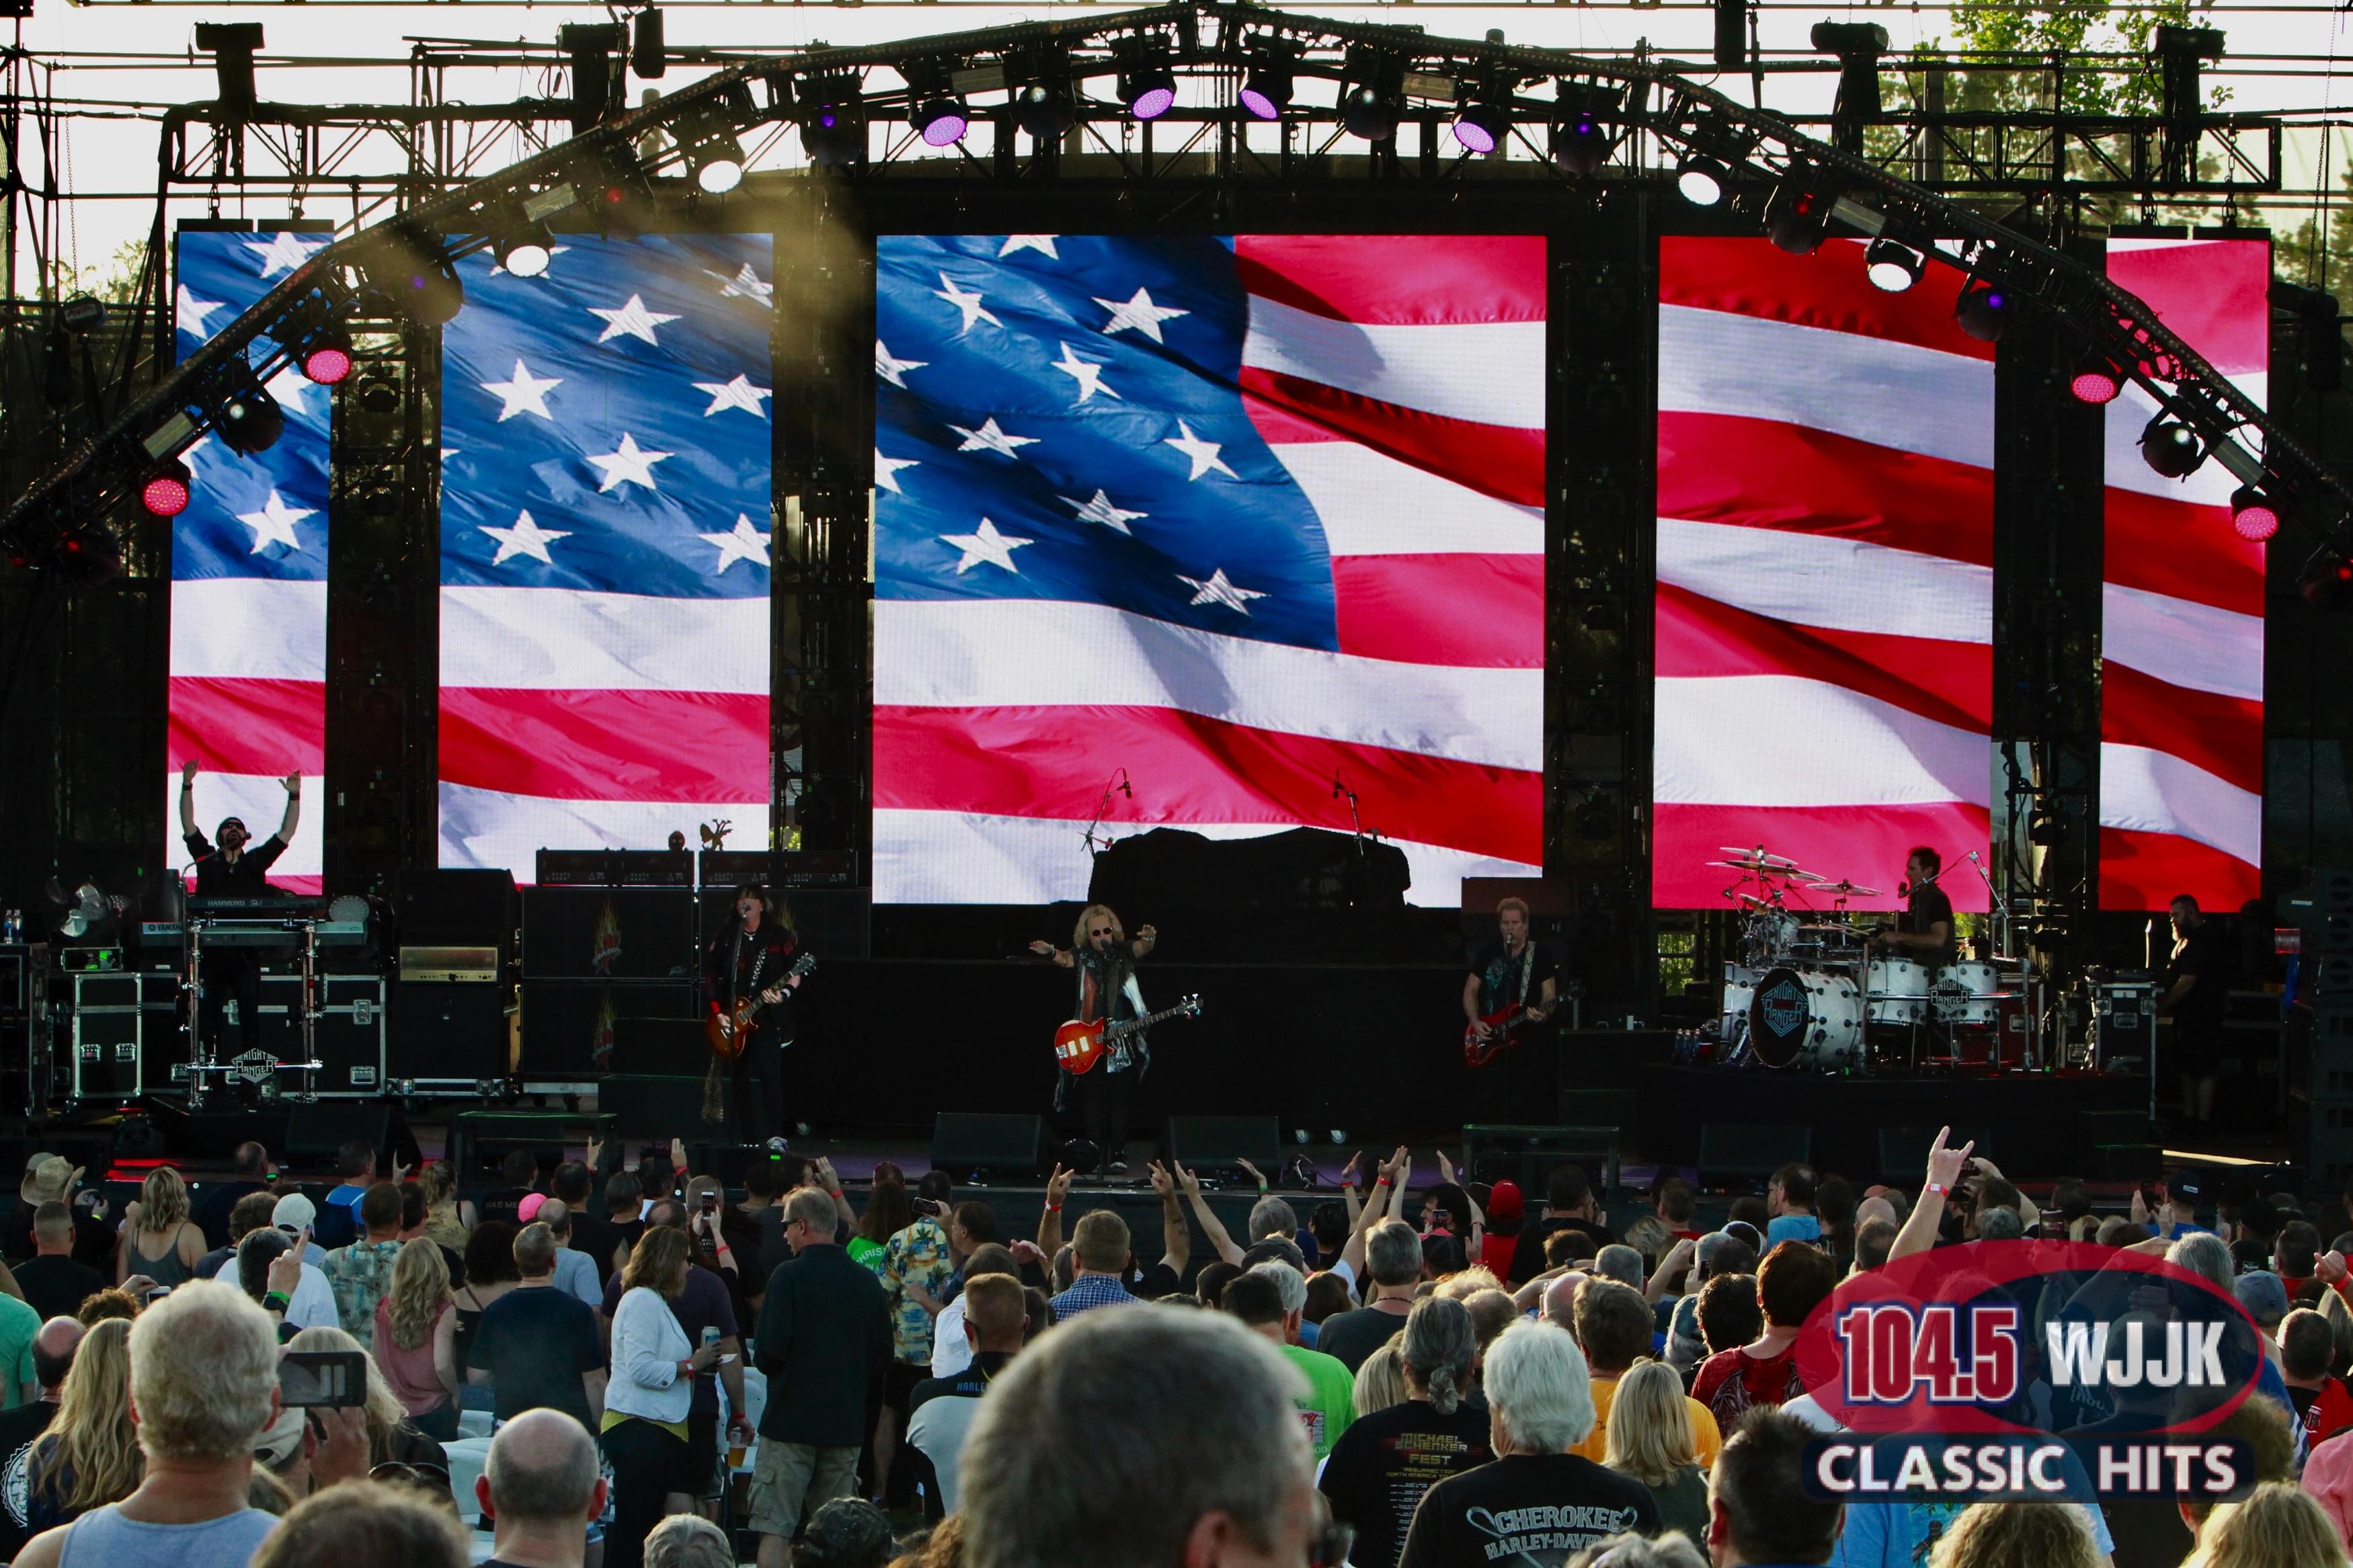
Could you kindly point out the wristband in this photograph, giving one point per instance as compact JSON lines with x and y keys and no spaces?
{"x":1384,"y":1182}
{"x":276,"y":1301}
{"x":1053,"y":1208}
{"x":1940,"y":1191}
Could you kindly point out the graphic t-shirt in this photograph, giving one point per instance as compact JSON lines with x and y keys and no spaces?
{"x":1532,"y":1510}
{"x":1329,"y":1404}
{"x":1385,"y":1462}
{"x":1731,"y":1382}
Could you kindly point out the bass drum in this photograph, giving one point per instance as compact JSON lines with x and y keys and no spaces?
{"x":1806,"y":1019}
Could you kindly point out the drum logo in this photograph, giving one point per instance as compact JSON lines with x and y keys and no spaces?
{"x":1785,"y":1008}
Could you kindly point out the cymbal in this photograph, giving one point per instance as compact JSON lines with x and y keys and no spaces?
{"x":1750,"y":859}
{"x":1844,"y":889}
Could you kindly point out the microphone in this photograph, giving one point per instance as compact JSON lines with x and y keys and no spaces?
{"x":1902,"y":889}
{"x":1126,"y":791}
{"x":1335,"y":786}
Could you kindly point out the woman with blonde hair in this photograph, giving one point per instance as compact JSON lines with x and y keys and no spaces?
{"x":416,"y":1338}
{"x":448,"y":1219}
{"x":89,"y":1456}
{"x":393,"y":1439}
{"x":2000,"y":1534}
{"x":650,"y":1392}
{"x":1380,"y":1382}
{"x":2279,"y":1526}
{"x":158,"y":1238}
{"x":1651,"y":1437}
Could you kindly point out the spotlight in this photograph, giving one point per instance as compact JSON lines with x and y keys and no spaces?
{"x":718,"y":164}
{"x":1369,"y":114}
{"x":1892,"y":264}
{"x":526,"y":251}
{"x":327,"y":357}
{"x":2328,"y":582}
{"x":2253,"y":514}
{"x":1799,"y":216}
{"x":1145,"y":83}
{"x":1982,"y":311}
{"x":1481,"y":127}
{"x":1580,"y":141}
{"x":1701,"y":179}
{"x":167,"y":489}
{"x":942,"y":119}
{"x":87,"y":554}
{"x":1043,"y":111}
{"x":708,"y":134}
{"x":833,"y":120}
{"x":414,"y":276}
{"x":1266,"y":88}
{"x":247,"y":418}
{"x":2094,"y":379}
{"x":82,"y":314}
{"x":624,"y":202}
{"x":2046,"y":828}
{"x":2171,"y":448}
{"x":379,"y":395}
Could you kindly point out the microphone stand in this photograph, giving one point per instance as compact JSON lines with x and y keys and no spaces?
{"x":1117,"y":781}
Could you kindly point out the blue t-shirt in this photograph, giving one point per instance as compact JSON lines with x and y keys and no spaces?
{"x":1903,"y":1534}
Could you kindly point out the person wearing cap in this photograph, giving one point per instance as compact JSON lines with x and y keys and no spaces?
{"x":237,"y":868}
{"x":52,"y":1178}
{"x":297,"y":1215}
{"x":1505,"y":1208}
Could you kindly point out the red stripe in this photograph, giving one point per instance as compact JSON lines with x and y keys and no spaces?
{"x":2214,"y":294}
{"x":239,"y":725}
{"x":1500,"y":460}
{"x":1390,"y":279}
{"x":1750,"y":276}
{"x":2224,"y":735}
{"x":606,"y":746}
{"x":2182,"y":550}
{"x":1763,"y":473}
{"x":1484,"y":612}
{"x":1865,"y":846}
{"x":1029,"y":762}
{"x":1949,"y":682}
{"x":2142,"y":871}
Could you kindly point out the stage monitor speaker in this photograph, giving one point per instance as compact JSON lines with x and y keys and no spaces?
{"x":317,"y":1131}
{"x":643,"y":1106}
{"x":971,"y":1144}
{"x":1751,"y":1151}
{"x":1904,"y":1151}
{"x":1527,"y":1154}
{"x":1205,"y":1143}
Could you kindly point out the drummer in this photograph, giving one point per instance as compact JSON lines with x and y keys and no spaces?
{"x":1924,"y":932}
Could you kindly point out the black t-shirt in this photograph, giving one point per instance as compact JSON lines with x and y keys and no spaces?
{"x":598,"y":1238}
{"x":1927,"y":907}
{"x":93,"y":1242}
{"x":1500,"y":975}
{"x":56,"y":1287}
{"x":216,"y":877}
{"x":18,"y":1428}
{"x":505,"y":1204}
{"x":2201,"y":1012}
{"x":733,"y":969}
{"x":1385,"y":1462}
{"x":1355,"y":1335}
{"x":1533,"y":1510}
{"x":535,"y":1343}
{"x":1528,"y":1251}
{"x":211,"y":1211}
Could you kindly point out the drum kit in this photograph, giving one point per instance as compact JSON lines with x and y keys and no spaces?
{"x":1809,"y":993}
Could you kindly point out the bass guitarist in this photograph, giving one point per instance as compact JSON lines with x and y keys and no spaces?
{"x":1511,"y":969}
{"x":1104,"y":959}
{"x":754,"y":956}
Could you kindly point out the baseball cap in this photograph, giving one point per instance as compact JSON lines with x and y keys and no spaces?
{"x":528,"y":1210}
{"x":293,"y":1211}
{"x":1504,"y":1202}
{"x":2265,"y":1296}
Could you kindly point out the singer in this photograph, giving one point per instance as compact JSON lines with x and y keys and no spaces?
{"x":1104,"y":959}
{"x":1924,"y":932}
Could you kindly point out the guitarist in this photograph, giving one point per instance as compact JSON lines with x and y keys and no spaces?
{"x":1510,"y":969}
{"x":754,"y":956}
{"x":1105,"y":959}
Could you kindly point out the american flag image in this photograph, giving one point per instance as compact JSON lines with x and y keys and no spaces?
{"x":2181,"y":610}
{"x":1825,"y":571}
{"x":247,"y":698}
{"x":1258,"y":520}
{"x":605,"y":548}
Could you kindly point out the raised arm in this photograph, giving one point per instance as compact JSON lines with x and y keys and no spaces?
{"x":1210,"y":1226}
{"x":1175,"y":1236}
{"x":1049,"y":1224}
{"x":1045,"y":949}
{"x":188,"y":796}
{"x":1919,"y":1232}
{"x":1147,"y":939}
{"x":294,"y":783}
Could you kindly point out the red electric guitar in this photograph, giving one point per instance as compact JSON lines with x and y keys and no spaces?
{"x":727,"y":1029}
{"x":1507,"y":1026}
{"x":1078,"y":1047}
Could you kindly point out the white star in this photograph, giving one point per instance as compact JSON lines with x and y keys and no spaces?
{"x":989,"y":438}
{"x":284,"y":252}
{"x":742,"y":542}
{"x":632,"y":320}
{"x":525,"y":538}
{"x":1087,"y":373}
{"x":1044,"y":242}
{"x":1217,"y":591}
{"x":274,"y":524}
{"x":289,"y":387}
{"x":524,"y":394}
{"x":745,"y":285}
{"x":629,"y":466}
{"x":1203,"y":453}
{"x":1100,"y":510}
{"x":738,"y":393}
{"x":193,"y":311}
{"x":891,"y":369}
{"x":1140,"y":313}
{"x":988,"y":545}
{"x":967,"y":303}
{"x":886,"y":472}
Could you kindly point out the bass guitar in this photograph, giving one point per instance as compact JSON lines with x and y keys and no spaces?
{"x":728,"y":1027}
{"x":1079,"y":1046}
{"x":1507,"y":1026}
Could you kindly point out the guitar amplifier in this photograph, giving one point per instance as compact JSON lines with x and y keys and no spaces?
{"x":608,"y":933}
{"x":569,"y":1025}
{"x":615,"y":868}
{"x":780,"y":868}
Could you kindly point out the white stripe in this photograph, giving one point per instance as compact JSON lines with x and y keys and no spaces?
{"x":484,"y":828}
{"x":2181,"y":641}
{"x":1783,"y":740}
{"x":1491,"y":372}
{"x":261,"y":802}
{"x":567,"y":639}
{"x":1837,"y":584}
{"x":2153,"y":791}
{"x":1372,"y":504}
{"x":1898,"y":396}
{"x":1023,"y":653}
{"x":966,"y":858}
{"x":2128,"y":469}
{"x":255,"y":628}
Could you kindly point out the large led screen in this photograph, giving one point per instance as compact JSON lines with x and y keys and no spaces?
{"x":1242,"y":524}
{"x":1825,"y":573}
{"x":605,"y":549}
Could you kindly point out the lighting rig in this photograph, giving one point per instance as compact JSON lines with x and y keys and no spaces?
{"x":1212,"y":64}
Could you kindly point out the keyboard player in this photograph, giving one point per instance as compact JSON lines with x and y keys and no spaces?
{"x":233,"y":867}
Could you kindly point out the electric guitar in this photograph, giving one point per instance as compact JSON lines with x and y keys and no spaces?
{"x":728,"y":1028}
{"x":1507,"y":1027}
{"x":1079,"y":1046}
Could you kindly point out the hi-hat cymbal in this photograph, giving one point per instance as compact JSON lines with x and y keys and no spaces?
{"x":1844,"y":890}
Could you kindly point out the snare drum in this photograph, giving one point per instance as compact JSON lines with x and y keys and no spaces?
{"x":1898,"y":991}
{"x":1964,"y":992}
{"x":1807,"y":1019}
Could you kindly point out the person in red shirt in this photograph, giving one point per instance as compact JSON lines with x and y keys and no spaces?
{"x":1505,"y":1209}
{"x":1790,"y":1283}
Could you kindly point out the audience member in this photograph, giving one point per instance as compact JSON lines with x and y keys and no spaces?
{"x":519,"y":1173}
{"x":1729,"y":1316}
{"x":1569,"y":1205}
{"x":1834,"y":1208}
{"x":1613,"y":1327}
{"x":337,"y":1221}
{"x":1491,"y":1311}
{"x":577,"y":1274}
{"x":888,"y":1212}
{"x":825,"y":1339}
{"x":1506,"y":1209}
{"x":54,"y":1282}
{"x":1393,"y":1258}
{"x":1790,"y":1283}
{"x":361,"y":1271}
{"x":52,"y":1358}
{"x":294,"y":1217}
{"x":1326,"y":1387}
{"x":1327,"y":1297}
{"x":158,"y":1242}
{"x":365,"y":1526}
{"x":89,"y":1455}
{"x":703,"y":1306}
{"x":1872,"y":1238}
{"x":1100,"y":1246}
{"x":249,"y":1172}
{"x":2307,"y":1349}
{"x":1789,"y":1206}
{"x":688,"y":1541}
{"x":848,"y":1533}
{"x":2278,"y":1527}
{"x":311,"y":1304}
{"x":1387,"y":1458}
{"x":248,"y":1214}
{"x":105,"y":1306}
{"x":951,"y":1350}
{"x":52,"y":1178}
{"x":540,"y":1486}
{"x":416,"y":1338}
{"x":448,"y":1219}
{"x":2010,"y":1534}
{"x":1655,"y":1235}
{"x":392,"y":1438}
{"x":537,"y":1346}
{"x":646,"y":1402}
{"x":1654,"y":1438}
{"x":1759,"y":1507}
{"x":940,"y":1411}
{"x":1380,"y":1382}
{"x":1535,"y":1495}
{"x":1670,"y":1550}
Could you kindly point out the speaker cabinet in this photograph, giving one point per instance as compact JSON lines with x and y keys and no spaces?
{"x":1219,"y":1143}
{"x":654,"y":1108}
{"x":971,"y":1144}
{"x":1752,"y":1151}
{"x":607,"y":933}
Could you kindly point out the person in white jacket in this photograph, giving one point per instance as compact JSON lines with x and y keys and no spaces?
{"x":646,"y":1401}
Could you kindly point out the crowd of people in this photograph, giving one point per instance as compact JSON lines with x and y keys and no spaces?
{"x":1418,"y":1376}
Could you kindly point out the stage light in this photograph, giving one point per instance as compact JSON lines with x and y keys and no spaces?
{"x":648,"y":55}
{"x":941,"y":119}
{"x":2094,"y":379}
{"x":327,"y":358}
{"x":2046,"y":828}
{"x":718,"y":164}
{"x":414,"y":277}
{"x":1147,"y":85}
{"x":167,"y":491}
{"x":1368,"y":112}
{"x":379,"y":395}
{"x":1798,"y":217}
{"x":87,"y":554}
{"x":82,"y":314}
{"x":1580,"y":143}
{"x":1481,"y":127}
{"x":1043,"y":111}
{"x":833,"y":120}
{"x":2171,"y":448}
{"x":2328,"y":582}
{"x":1982,"y":311}
{"x":2253,"y":514}
{"x":1701,"y":179}
{"x":246,"y":416}
{"x":1892,"y":264}
{"x":1266,"y":89}
{"x":526,"y":251}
